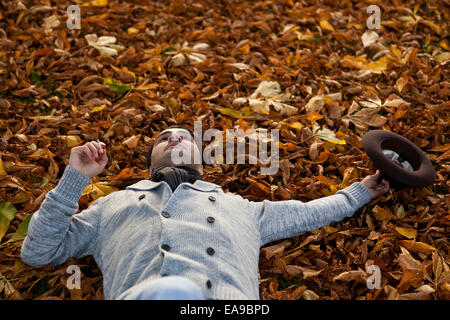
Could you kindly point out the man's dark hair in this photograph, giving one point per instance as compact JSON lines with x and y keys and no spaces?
{"x":149,"y":154}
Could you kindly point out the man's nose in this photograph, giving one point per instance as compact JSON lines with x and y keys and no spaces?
{"x":175,"y":137}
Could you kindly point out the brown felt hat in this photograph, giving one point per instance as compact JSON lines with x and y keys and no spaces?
{"x":375,"y":141}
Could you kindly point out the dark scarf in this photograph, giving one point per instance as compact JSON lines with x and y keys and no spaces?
{"x":174,"y":176}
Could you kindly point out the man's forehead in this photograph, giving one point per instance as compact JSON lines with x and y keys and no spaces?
{"x":174,"y":130}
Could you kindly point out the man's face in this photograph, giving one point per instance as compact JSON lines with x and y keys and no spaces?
{"x":170,"y":141}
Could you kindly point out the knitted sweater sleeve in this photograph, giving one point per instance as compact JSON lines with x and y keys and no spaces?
{"x":56,"y":232}
{"x":285,"y":219}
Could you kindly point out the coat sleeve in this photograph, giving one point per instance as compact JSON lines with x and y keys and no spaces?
{"x":289,"y":218}
{"x":55,"y":231}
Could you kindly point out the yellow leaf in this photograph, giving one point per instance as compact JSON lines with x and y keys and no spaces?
{"x":417,"y":247}
{"x":400,"y":113}
{"x":7,"y":214}
{"x":307,"y":36}
{"x":95,"y":3}
{"x":132,"y":31}
{"x":313,"y":117}
{"x":407,"y":232}
{"x":327,"y":135}
{"x":245,"y":49}
{"x":19,"y":18}
{"x":378,"y":66}
{"x":444,"y":44}
{"x":330,"y":230}
{"x":150,"y":86}
{"x":71,"y":141}
{"x":326,"y":180}
{"x":2,"y":169}
{"x":295,"y":125}
{"x":396,"y":52}
{"x":243,"y":113}
{"x":349,"y":173}
{"x":153,"y":65}
{"x":324,"y":24}
{"x":98,"y":189}
{"x":123,"y":71}
{"x":361,"y":63}
{"x":41,"y":153}
{"x":432,"y":25}
{"x":76,"y":294}
{"x":99,"y":108}
{"x":329,"y":191}
{"x":354,"y":62}
{"x":358,"y":26}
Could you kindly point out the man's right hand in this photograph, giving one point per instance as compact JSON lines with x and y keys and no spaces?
{"x":90,"y":159}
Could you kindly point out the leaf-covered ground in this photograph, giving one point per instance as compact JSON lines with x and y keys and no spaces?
{"x":329,"y":79}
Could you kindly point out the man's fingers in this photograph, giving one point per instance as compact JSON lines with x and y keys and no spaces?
{"x":384,"y":186}
{"x":103,"y":158}
{"x":88,"y":152}
{"x":99,"y":146}
{"x":93,"y":148}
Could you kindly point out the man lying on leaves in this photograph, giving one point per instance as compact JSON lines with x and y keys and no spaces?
{"x":173,"y":236}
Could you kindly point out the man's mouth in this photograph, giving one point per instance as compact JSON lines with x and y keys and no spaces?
{"x":172,"y":144}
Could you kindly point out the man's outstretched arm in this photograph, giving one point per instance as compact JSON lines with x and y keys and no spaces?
{"x":55,"y":232}
{"x":285,"y":219}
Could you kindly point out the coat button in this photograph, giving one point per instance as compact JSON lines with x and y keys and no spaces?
{"x":165,"y":214}
{"x":142,"y":196}
{"x":165,"y":247}
{"x":212,"y":198}
{"x":210,"y":251}
{"x":208,"y":284}
{"x":210,"y":219}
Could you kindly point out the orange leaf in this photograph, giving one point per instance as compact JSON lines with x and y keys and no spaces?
{"x":126,"y":173}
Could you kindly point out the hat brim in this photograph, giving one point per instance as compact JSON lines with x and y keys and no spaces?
{"x":375,"y":141}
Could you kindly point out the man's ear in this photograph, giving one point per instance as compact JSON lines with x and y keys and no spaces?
{"x":200,"y":170}
{"x":150,"y":170}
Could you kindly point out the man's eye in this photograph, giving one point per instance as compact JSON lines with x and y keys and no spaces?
{"x":186,"y":137}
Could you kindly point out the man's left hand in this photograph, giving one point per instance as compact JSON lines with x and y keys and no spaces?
{"x":375,"y":189}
